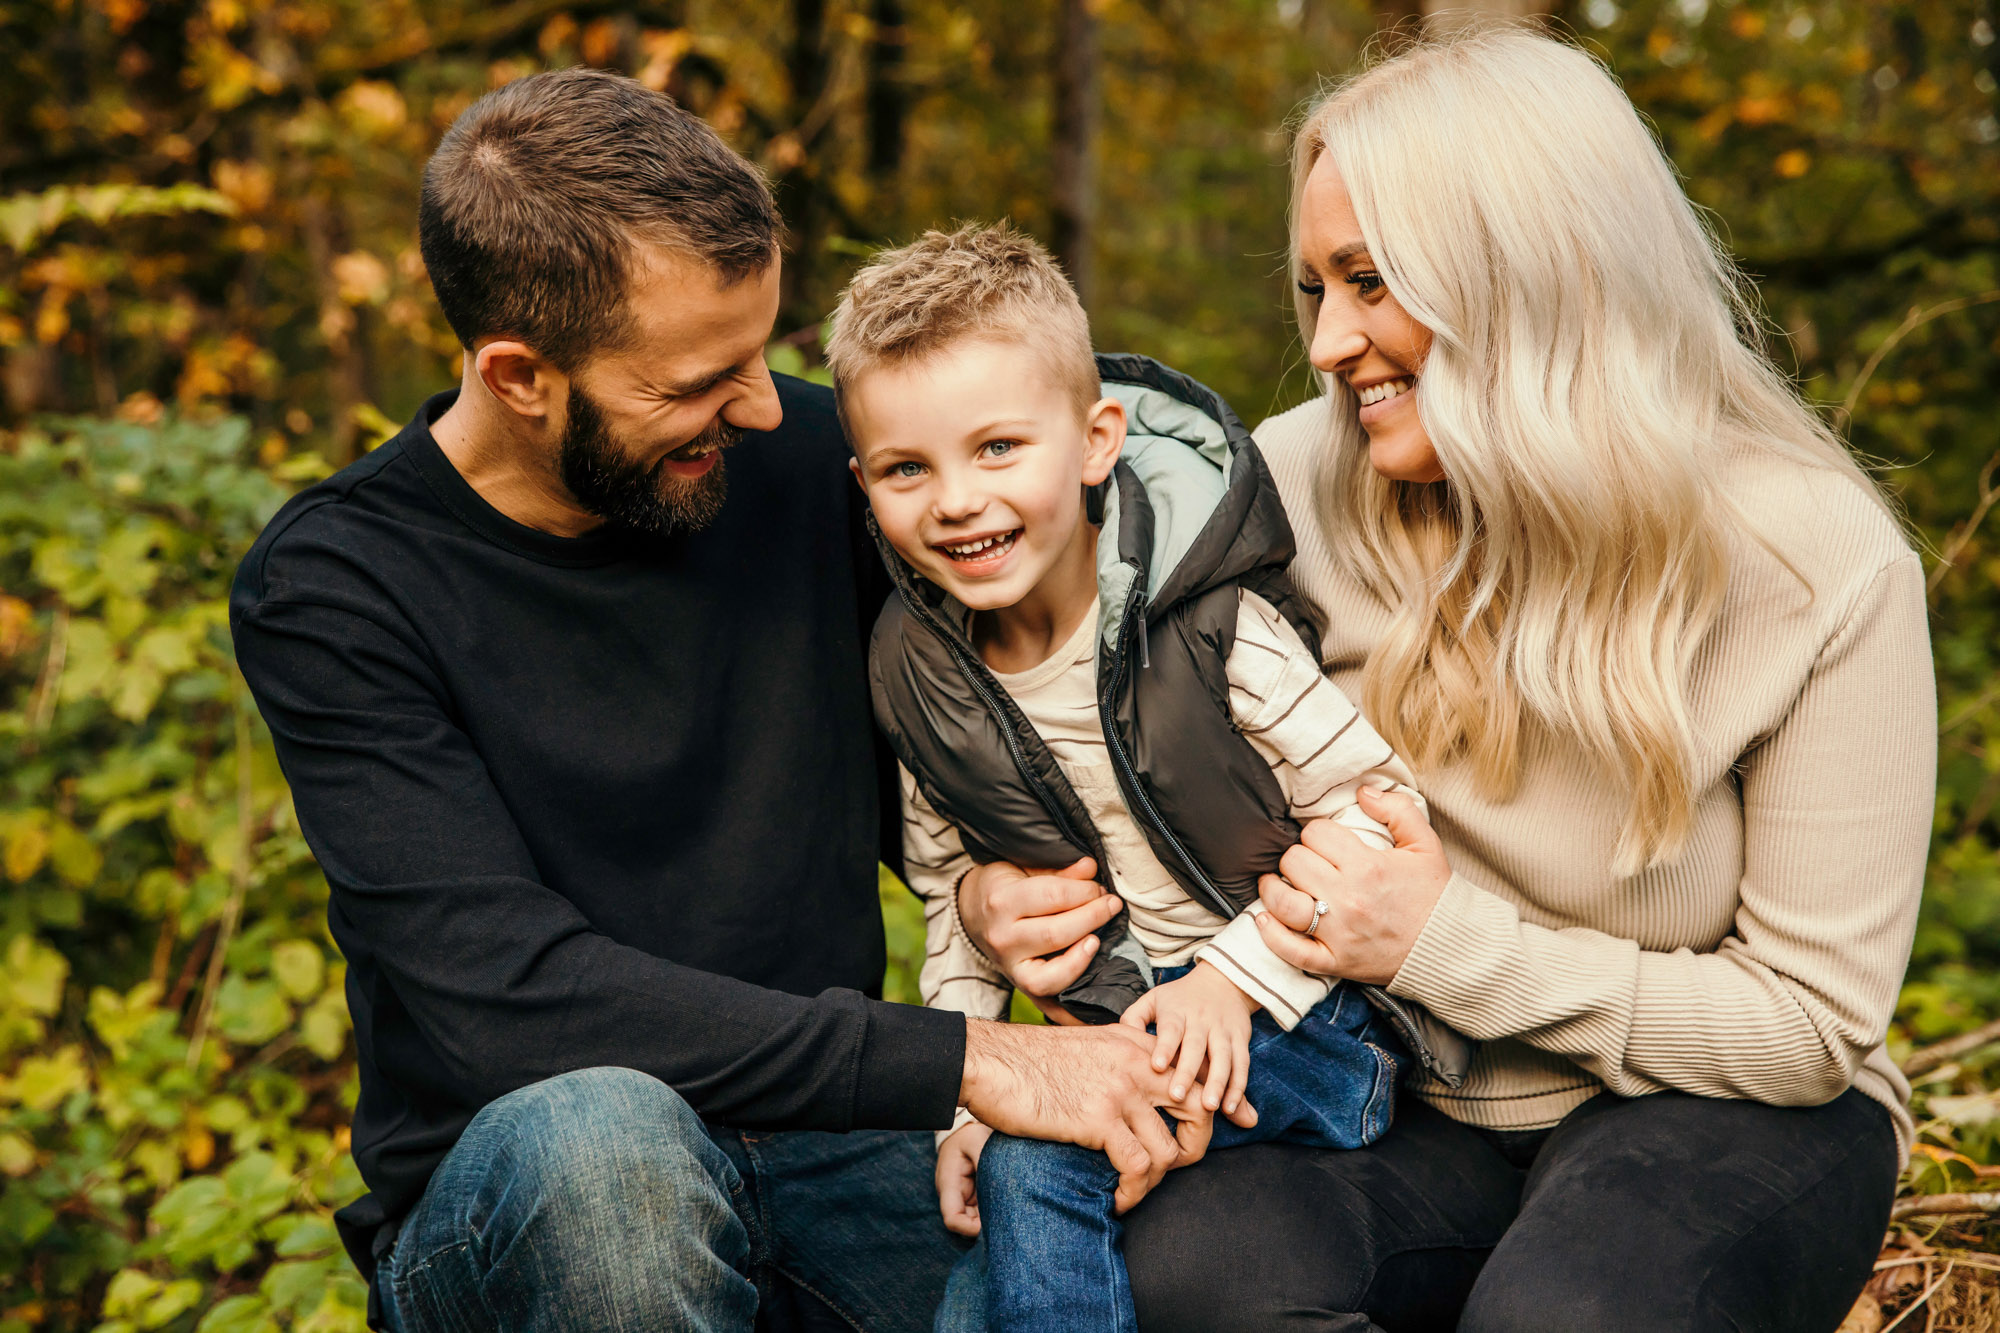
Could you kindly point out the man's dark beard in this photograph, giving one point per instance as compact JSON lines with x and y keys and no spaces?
{"x":646,"y":499}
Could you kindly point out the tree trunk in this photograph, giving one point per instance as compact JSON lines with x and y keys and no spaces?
{"x":806,"y":64}
{"x":1074,"y":158}
{"x":888,"y":100}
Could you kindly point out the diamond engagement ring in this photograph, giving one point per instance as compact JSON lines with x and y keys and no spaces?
{"x":1320,"y":909}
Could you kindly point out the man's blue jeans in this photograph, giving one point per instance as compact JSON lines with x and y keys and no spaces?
{"x":1050,"y":1252}
{"x":599,"y":1201}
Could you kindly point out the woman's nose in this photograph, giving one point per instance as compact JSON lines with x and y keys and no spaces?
{"x":1338,"y":339}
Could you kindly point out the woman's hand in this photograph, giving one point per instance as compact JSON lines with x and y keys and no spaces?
{"x":1377,"y":901}
{"x":1037,"y":925}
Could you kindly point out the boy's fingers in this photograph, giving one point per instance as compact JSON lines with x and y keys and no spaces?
{"x":1221,"y":1064}
{"x":1239,"y":1074}
{"x":1193,"y":1051}
{"x":1140,"y":1014}
{"x":1167,"y":1042}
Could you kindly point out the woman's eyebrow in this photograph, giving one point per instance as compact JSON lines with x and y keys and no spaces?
{"x":1347,"y":252}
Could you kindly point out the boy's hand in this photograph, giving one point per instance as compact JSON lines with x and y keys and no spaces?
{"x":957,"y":1164}
{"x":1203,"y":1016}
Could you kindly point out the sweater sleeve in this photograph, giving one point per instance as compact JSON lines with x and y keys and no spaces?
{"x":1837,"y":806}
{"x":504,"y":978}
{"x":955,"y":974}
{"x":1322,"y":751}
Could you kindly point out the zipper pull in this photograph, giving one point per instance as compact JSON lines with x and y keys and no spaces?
{"x":1145,"y":658}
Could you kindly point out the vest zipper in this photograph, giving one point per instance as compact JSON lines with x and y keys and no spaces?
{"x":1130,"y":776}
{"x":975,"y":679}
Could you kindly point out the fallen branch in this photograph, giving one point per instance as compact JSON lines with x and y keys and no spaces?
{"x":1939,"y":1205}
{"x":1930,"y":1057}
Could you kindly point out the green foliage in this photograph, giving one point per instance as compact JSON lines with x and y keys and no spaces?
{"x":172,"y":1097}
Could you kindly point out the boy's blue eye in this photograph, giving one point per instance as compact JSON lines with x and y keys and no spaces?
{"x":906,"y":470}
{"x":998,"y":447}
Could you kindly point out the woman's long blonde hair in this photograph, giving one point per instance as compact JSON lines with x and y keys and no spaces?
{"x":1595,"y":362}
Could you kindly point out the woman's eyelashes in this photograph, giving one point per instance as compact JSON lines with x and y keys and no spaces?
{"x":1367,"y":283}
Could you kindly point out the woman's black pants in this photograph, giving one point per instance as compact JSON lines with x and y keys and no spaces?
{"x":1634,"y":1214}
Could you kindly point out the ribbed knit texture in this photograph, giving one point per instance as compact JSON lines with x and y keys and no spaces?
{"x":1764,"y":961}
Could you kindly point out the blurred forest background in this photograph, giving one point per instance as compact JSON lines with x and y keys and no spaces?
{"x":212,"y":295}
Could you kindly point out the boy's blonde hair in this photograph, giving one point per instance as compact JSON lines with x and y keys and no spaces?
{"x":980,"y":281}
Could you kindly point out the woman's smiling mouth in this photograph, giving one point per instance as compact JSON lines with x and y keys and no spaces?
{"x":979,"y":553}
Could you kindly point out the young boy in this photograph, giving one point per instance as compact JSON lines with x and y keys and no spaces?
{"x":1096,"y":654}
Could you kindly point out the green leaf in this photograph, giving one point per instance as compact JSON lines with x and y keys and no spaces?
{"x":41,"y":1083}
{"x":323,"y":1026}
{"x":250,"y":1013}
{"x":75,"y":857}
{"x":34,"y":976}
{"x":311,"y":1234}
{"x":23,"y":1217}
{"x":129,"y":1289}
{"x":177,"y":1298}
{"x":300,"y":967}
{"x":238,"y":1314}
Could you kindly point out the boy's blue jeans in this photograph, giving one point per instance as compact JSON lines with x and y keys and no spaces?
{"x":598,"y":1201}
{"x":1050,"y":1246}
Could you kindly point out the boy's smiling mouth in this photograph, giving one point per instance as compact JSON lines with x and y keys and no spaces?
{"x":978,"y":553}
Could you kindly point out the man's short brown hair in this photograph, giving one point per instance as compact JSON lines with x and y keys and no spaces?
{"x":980,"y":281}
{"x":537,"y":193}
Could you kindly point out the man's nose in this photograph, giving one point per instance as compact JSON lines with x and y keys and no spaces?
{"x":755,"y":405}
{"x":1338,"y":339}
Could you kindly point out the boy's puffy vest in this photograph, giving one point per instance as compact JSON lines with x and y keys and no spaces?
{"x":1189,"y":516}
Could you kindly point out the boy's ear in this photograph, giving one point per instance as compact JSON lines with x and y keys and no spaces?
{"x":854,"y":466}
{"x":518,"y":376}
{"x":1104,"y":439}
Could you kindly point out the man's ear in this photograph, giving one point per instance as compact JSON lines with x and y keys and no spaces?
{"x":1104,"y":439}
{"x":520,"y":378}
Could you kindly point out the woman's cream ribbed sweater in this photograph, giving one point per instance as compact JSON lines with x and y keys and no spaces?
{"x":1763,"y":962}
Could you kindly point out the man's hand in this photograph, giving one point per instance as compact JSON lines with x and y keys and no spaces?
{"x":1093,"y":1086}
{"x":957,"y":1167}
{"x":1037,"y":925}
{"x":1205,"y":1018}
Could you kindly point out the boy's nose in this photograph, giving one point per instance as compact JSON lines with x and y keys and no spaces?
{"x":955,"y":501}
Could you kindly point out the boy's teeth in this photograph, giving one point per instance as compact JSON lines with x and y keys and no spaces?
{"x":1389,"y":389}
{"x":974,"y":548}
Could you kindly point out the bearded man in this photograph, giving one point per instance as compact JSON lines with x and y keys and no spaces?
{"x":568,"y":680}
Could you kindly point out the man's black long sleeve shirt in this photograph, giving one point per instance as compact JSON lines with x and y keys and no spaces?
{"x":590,"y":801}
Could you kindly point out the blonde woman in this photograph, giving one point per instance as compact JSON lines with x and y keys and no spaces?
{"x":1657,"y":651}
